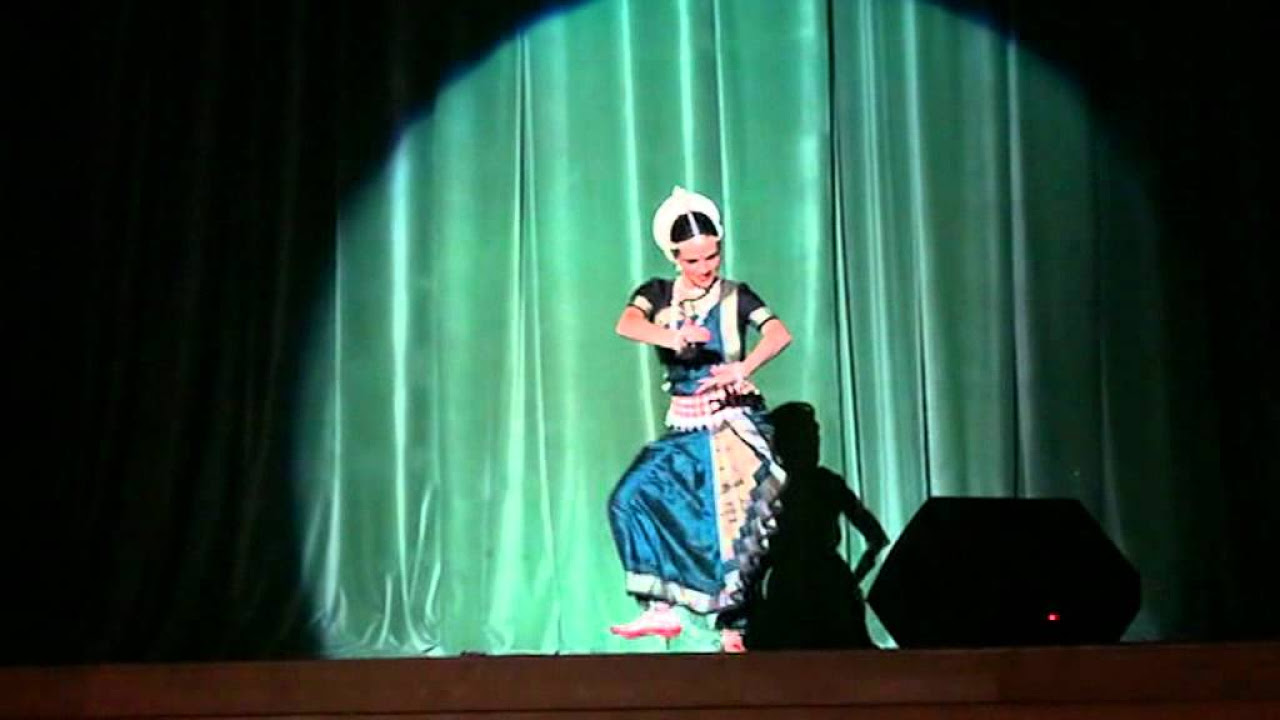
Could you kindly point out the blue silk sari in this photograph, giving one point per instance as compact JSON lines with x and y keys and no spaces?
{"x":693,"y":514}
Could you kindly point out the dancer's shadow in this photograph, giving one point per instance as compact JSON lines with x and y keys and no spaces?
{"x":809,"y":598}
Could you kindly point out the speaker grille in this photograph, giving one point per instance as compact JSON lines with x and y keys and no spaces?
{"x":970,"y":572}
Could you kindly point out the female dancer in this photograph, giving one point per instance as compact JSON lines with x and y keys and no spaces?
{"x":692,"y":516}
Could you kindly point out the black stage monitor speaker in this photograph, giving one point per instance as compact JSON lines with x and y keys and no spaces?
{"x":972,"y":572}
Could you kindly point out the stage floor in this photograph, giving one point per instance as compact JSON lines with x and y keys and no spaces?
{"x":1125,"y":681}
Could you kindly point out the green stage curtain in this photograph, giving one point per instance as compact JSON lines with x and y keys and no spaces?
{"x":966,"y":254}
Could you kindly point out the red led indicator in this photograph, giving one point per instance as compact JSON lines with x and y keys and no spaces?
{"x":1053,"y":617}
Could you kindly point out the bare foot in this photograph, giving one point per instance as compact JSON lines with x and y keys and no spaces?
{"x":659,"y":619}
{"x":731,"y":641}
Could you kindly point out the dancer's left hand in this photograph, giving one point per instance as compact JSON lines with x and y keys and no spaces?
{"x":728,"y":375}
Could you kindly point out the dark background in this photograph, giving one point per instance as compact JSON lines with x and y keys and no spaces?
{"x":174,"y":178}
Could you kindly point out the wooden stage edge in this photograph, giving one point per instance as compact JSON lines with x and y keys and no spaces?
{"x":1121,"y":681}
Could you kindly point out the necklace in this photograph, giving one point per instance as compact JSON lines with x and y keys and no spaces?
{"x":685,"y":285}
{"x":689,"y":304}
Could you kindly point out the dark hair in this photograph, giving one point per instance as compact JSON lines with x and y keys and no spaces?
{"x":682,"y":229}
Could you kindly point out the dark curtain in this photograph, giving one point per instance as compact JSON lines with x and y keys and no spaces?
{"x":176,"y":175}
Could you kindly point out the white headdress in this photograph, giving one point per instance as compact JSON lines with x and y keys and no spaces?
{"x":681,"y":202}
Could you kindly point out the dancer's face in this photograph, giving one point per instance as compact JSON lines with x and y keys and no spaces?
{"x":699,"y":259}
